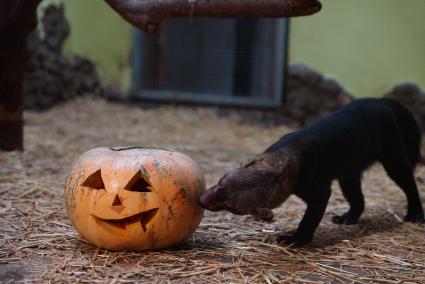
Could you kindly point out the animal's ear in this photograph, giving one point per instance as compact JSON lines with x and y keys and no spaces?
{"x":290,"y":164}
{"x":282,"y":162}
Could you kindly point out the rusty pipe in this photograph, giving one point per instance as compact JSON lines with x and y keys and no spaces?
{"x":147,"y":14}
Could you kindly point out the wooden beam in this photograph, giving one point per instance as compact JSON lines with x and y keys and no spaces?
{"x":17,"y":19}
{"x":147,"y":14}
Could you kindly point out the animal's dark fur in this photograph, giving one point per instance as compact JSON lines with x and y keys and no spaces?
{"x":340,"y":146}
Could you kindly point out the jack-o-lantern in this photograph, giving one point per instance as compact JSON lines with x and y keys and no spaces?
{"x":134,"y":198}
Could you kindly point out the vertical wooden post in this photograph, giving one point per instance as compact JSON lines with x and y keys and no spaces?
{"x":17,"y":19}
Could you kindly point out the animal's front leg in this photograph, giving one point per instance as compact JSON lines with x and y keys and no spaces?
{"x":316,"y":206}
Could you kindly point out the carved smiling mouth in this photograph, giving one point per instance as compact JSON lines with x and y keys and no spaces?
{"x":144,"y":218}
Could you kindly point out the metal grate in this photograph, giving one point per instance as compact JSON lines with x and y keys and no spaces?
{"x":236,"y":62}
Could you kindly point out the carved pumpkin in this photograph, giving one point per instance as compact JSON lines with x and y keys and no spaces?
{"x":134,"y":198}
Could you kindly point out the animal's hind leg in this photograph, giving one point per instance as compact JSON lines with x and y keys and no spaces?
{"x":351,"y":188}
{"x":402,"y":174}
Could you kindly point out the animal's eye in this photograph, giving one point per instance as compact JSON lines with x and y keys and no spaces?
{"x":221,"y":181}
{"x":138,"y":183}
{"x":247,"y":164}
{"x":95,"y":181}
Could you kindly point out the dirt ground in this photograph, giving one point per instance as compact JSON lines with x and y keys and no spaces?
{"x":39,"y":244}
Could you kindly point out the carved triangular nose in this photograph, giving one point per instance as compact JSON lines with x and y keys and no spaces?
{"x":117,"y":205}
{"x":117,"y":201}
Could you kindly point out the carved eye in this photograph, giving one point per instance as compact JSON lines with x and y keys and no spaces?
{"x":95,"y":181}
{"x":138,"y":184}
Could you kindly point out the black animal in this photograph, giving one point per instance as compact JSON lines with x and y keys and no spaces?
{"x":340,"y":146}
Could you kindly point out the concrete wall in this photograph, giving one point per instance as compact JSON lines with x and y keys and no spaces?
{"x":368,"y":46}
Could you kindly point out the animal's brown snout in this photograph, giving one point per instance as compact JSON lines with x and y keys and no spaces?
{"x":209,"y":200}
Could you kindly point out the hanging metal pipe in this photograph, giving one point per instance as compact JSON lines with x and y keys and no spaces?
{"x":147,"y":14}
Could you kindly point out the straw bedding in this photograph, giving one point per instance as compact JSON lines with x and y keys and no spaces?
{"x":38,"y":243}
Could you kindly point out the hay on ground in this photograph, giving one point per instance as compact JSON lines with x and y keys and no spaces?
{"x":38,"y":243}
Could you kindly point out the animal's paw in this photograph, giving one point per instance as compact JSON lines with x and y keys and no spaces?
{"x":345,"y":219}
{"x":294,"y":240}
{"x":415,"y":217}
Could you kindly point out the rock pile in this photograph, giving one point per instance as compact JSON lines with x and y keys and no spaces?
{"x":51,"y":77}
{"x":413,"y":98}
{"x":310,"y":95}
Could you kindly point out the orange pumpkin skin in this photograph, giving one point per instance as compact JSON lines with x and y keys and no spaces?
{"x":134,"y":198}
